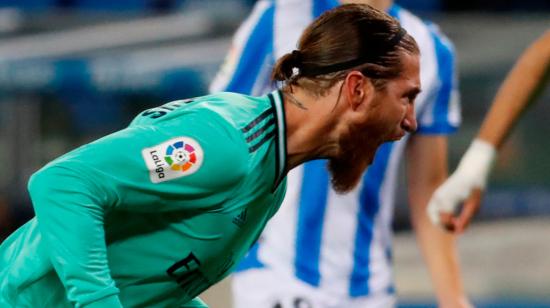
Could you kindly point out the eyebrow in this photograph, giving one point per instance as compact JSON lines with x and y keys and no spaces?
{"x":414,"y":91}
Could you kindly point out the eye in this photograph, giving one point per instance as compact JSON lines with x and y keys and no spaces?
{"x":411,"y":96}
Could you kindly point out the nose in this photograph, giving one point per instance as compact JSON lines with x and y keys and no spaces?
{"x":409,"y":122}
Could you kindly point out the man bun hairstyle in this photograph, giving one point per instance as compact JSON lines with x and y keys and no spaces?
{"x":348,"y":37}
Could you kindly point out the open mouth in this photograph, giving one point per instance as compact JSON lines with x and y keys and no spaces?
{"x":397,"y":136}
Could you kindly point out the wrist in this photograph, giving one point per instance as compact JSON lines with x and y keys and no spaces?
{"x":478,"y":161}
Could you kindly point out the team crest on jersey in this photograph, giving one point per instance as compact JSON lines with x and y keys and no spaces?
{"x":175,"y":158}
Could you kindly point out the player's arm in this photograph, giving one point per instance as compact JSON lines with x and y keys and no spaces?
{"x":524,"y":82}
{"x":426,"y":169}
{"x":70,"y":218}
{"x":72,"y":195}
{"x":520,"y":88}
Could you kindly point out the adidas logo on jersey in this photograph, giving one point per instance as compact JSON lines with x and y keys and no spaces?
{"x":240,"y":219}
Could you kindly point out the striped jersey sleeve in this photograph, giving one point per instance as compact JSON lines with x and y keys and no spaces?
{"x":441,"y":114}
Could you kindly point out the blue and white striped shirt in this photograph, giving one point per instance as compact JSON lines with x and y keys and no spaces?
{"x":339,"y":243}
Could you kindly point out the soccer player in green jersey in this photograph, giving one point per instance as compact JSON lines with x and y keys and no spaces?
{"x":154,"y":214}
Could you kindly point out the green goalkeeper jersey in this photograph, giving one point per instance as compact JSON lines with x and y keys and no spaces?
{"x":154,"y":214}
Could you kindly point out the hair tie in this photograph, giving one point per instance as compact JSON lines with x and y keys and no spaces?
{"x":296,"y":58}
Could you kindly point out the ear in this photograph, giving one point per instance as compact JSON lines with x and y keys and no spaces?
{"x":358,"y":89}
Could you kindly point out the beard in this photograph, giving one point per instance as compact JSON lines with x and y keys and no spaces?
{"x":347,"y":169}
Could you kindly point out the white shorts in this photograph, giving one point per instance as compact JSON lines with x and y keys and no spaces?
{"x":266,"y":288}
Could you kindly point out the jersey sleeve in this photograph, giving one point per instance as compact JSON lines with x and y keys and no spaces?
{"x":72,"y":195}
{"x":70,"y":219}
{"x":247,"y":66}
{"x":443,"y":102}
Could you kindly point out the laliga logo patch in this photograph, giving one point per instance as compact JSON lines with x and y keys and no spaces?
{"x":173,"y":159}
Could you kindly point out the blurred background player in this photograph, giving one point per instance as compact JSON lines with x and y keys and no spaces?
{"x":327,"y":250}
{"x":521,"y":87}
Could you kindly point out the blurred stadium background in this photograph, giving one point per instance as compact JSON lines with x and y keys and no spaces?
{"x":74,"y":70}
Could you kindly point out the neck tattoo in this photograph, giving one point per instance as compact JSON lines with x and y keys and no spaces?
{"x":295,"y":101}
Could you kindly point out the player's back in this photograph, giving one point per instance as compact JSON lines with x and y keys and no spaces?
{"x":169,"y":234}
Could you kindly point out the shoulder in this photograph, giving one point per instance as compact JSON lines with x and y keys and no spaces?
{"x":260,"y":16}
{"x":218,"y":155}
{"x":198,"y":137}
{"x":221,"y":142}
{"x":199,"y":148}
{"x":443,"y":45}
{"x":428,"y":34}
{"x":437,"y":52}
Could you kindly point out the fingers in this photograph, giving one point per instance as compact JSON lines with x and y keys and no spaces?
{"x":447,"y":221}
{"x":471,"y":206}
